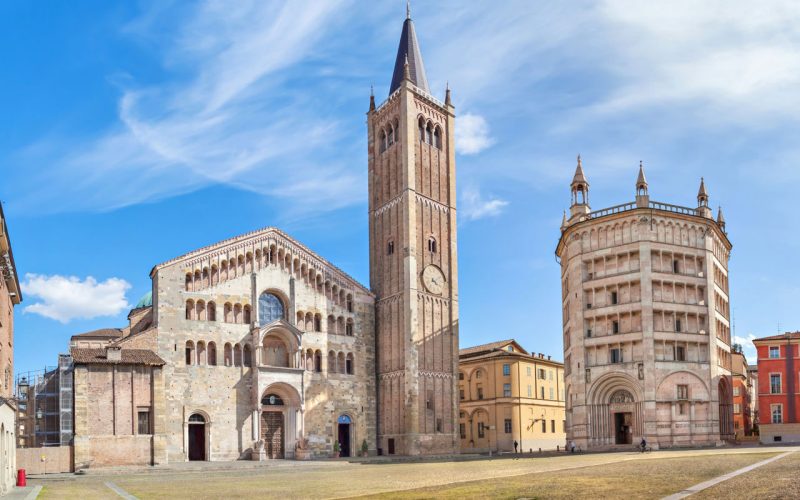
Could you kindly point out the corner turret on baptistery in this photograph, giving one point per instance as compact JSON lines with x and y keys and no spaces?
{"x":646,"y":320}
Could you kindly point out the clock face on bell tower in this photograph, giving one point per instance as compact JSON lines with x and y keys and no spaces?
{"x":413,"y":264}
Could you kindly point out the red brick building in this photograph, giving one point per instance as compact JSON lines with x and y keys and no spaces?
{"x":779,"y":387}
{"x":742,"y":393}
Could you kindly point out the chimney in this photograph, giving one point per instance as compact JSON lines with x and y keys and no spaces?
{"x":113,"y":353}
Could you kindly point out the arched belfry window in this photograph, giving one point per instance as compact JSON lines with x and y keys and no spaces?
{"x":270,"y":308}
{"x":437,"y":138}
{"x":383,"y":141}
{"x":432,"y":244}
{"x":421,"y":129}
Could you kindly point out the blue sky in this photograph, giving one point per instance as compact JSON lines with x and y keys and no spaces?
{"x":135,"y":132}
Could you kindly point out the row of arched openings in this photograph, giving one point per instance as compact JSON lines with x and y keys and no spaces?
{"x":337,"y":362}
{"x":231,"y":268}
{"x":205,"y":354}
{"x":312,"y":322}
{"x":430,"y":133}
{"x":207,"y":311}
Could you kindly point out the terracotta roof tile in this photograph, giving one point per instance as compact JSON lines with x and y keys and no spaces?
{"x":81,"y":356}
{"x":485,"y":347}
{"x":783,"y":336}
{"x":102,"y":332}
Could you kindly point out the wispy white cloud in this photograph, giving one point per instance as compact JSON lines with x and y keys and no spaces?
{"x":472,"y":134}
{"x":474,"y":206}
{"x":64,"y":298}
{"x":225,"y":114}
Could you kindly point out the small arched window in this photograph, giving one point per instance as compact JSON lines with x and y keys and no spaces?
{"x":237,"y":355}
{"x":432,"y":244}
{"x":223,"y":270}
{"x":383,"y":141}
{"x":211,"y":354}
{"x":349,"y":303}
{"x":190,"y":309}
{"x":227,"y":313}
{"x":317,"y":323}
{"x":212,"y":311}
{"x":189,"y":352}
{"x":201,"y":310}
{"x":248,"y":355}
{"x":349,"y":328}
{"x":246,"y":314}
{"x":188,"y":282}
{"x":349,"y":369}
{"x":391,"y":134}
{"x":421,"y":126}
{"x":228,"y":355}
{"x":318,"y":361}
{"x":437,"y":138}
{"x":201,"y":353}
{"x":390,"y":247}
{"x":429,"y":133}
{"x":197,"y":282}
{"x":237,"y":313}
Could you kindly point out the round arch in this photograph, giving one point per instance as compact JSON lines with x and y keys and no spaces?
{"x":601,"y":390}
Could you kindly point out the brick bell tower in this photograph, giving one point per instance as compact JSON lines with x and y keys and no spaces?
{"x":413,"y":265}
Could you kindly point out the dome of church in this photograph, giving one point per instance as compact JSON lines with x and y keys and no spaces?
{"x":145,"y":301}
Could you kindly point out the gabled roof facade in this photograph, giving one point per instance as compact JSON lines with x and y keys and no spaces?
{"x":263,"y":235}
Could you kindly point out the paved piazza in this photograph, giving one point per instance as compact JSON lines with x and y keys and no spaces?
{"x":600,"y":475}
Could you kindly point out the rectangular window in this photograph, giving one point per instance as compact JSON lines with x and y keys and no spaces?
{"x":553,"y":426}
{"x":775,"y":383}
{"x":681,"y":409}
{"x":735,"y":391}
{"x":429,"y":401}
{"x":544,"y":426}
{"x":461,"y":394}
{"x":506,"y":370}
{"x":143,"y":422}
{"x":777,"y":414}
{"x":480,"y":392}
{"x":542,"y":392}
{"x":680,"y":353}
{"x":507,"y":425}
{"x":530,"y":391}
{"x":542,"y":374}
{"x":460,"y":376}
{"x":529,"y":371}
{"x":552,"y":393}
{"x":462,"y":429}
{"x":480,"y":429}
{"x":683,"y":392}
{"x":737,"y":408}
{"x":774,"y":352}
{"x":506,"y":390}
{"x":438,"y":425}
{"x":616,"y":356}
{"x":678,"y":325}
{"x":551,"y":374}
{"x":613,"y":297}
{"x":615,"y":326}
{"x":589,"y":332}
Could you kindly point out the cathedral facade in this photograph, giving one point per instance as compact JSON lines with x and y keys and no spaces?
{"x":647,"y":339}
{"x":258,"y":348}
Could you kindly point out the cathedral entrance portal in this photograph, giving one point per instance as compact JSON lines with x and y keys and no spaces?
{"x":197,"y":437}
{"x":622,"y":425}
{"x":344,"y":435}
{"x":272,"y":433}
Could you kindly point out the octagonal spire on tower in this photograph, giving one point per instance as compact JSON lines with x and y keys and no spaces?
{"x":408,"y":52}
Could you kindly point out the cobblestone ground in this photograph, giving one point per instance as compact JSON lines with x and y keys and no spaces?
{"x":606,"y":475}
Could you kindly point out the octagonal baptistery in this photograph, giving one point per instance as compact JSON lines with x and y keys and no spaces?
{"x":646,"y":322}
{"x":269,"y":352}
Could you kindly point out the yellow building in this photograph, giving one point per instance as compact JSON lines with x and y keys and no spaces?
{"x":507,"y":395}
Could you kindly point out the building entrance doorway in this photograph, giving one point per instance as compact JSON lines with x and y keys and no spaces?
{"x":197,"y":437}
{"x":622,"y":426}
{"x":272,"y":433}
{"x":344,"y":435}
